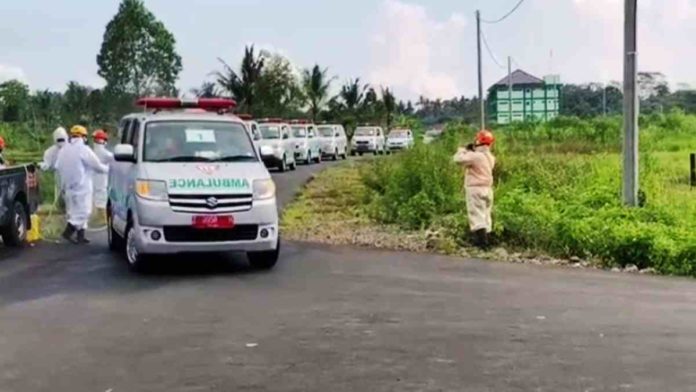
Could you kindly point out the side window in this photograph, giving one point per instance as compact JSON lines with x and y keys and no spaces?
{"x":125,"y":131}
{"x":310,"y":132}
{"x":135,"y":136}
{"x":284,"y":133}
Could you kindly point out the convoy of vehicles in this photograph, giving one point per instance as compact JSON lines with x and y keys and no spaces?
{"x":399,"y":139}
{"x":368,"y":139}
{"x":19,"y":199}
{"x":190,"y":182}
{"x":334,"y":143}
{"x":277,"y":147}
{"x":307,"y":143}
{"x":189,"y":176}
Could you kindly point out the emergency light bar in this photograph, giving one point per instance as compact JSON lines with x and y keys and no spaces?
{"x":299,"y":121}
{"x":271,"y":120}
{"x":210,"y":104}
{"x":245,"y":116}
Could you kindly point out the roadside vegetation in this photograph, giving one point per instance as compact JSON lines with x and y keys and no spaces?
{"x":558,"y":192}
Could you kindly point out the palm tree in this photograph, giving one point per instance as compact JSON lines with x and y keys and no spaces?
{"x":242,"y":88}
{"x":352,"y":94}
{"x":389,"y":102}
{"x":207,"y":90}
{"x":316,"y":88}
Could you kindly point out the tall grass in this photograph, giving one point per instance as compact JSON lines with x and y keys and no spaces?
{"x":558,"y":189}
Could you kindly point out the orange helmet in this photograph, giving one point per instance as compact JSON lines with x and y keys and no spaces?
{"x":485,"y":137}
{"x":100,"y":135}
{"x":2,"y":143}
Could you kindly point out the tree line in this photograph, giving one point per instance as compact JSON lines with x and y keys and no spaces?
{"x":138,"y":57}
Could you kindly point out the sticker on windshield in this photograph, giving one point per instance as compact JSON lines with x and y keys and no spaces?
{"x":200,"y":136}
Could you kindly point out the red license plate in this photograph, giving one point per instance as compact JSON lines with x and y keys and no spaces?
{"x":213,"y":222}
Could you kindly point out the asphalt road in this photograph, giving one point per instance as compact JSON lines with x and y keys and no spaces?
{"x":336,"y":319}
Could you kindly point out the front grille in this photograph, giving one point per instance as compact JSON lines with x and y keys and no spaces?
{"x":190,"y":234}
{"x":362,"y":142}
{"x":211,"y":204}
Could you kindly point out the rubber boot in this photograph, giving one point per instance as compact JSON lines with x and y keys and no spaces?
{"x":68,"y":232}
{"x":81,"y":237}
{"x":480,"y":239}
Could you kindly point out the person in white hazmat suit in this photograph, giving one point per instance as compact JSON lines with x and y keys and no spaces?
{"x":101,"y":180}
{"x":76,"y":165}
{"x":478,"y":164}
{"x":60,"y":138}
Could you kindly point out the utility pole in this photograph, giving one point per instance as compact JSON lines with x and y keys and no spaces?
{"x":510,"y":89}
{"x":630,"y":145}
{"x":604,"y":99}
{"x":480,"y":75}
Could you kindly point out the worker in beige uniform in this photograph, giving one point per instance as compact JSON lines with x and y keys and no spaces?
{"x":478,"y":163}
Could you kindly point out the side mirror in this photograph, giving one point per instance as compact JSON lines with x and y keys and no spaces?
{"x":124,"y":153}
{"x":286,"y":136}
{"x":337,"y":134}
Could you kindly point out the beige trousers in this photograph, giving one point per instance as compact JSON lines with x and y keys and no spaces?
{"x":479,"y":204}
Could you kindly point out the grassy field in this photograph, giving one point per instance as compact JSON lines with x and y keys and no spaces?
{"x":558,"y":192}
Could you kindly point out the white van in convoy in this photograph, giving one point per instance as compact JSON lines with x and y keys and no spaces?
{"x":277,"y":145}
{"x":190,"y":181}
{"x":334,"y":143}
{"x":399,"y":139}
{"x":307,"y":143}
{"x":368,"y":139}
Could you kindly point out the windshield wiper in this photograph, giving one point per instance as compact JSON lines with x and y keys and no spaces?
{"x":183,"y":159}
{"x":236,"y":158}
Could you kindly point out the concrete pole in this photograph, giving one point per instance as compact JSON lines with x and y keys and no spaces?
{"x":510,"y":89}
{"x":630,"y":145}
{"x":480,"y":74}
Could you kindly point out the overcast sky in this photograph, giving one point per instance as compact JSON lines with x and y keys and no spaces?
{"x":418,"y":47}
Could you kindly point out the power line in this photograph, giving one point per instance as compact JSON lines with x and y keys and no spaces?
{"x":504,"y":16}
{"x":490,"y":52}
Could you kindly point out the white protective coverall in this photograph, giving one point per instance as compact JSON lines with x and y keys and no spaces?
{"x":478,"y":166}
{"x":101,"y":180}
{"x":51,"y":154}
{"x":76,"y":165}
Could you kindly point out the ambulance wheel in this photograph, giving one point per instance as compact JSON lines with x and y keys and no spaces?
{"x":15,"y":233}
{"x":318,"y":158}
{"x":264,"y":260}
{"x":136,"y":260}
{"x":116,"y":243}
{"x":293,"y":165}
{"x":335,"y":155}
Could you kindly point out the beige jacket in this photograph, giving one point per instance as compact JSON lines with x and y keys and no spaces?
{"x":478,"y":166}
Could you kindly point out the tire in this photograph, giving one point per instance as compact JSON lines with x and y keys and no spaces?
{"x":309,"y":158}
{"x":283,"y":165}
{"x":137,"y":261}
{"x":344,"y":155}
{"x":335,"y":155}
{"x":116,"y":242}
{"x":352,"y":153}
{"x":15,"y":234}
{"x":360,"y":154}
{"x":377,"y":152}
{"x":293,"y":165}
{"x":318,"y":158}
{"x":264,"y":260}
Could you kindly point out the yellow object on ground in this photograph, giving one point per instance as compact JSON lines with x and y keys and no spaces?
{"x":34,"y":234}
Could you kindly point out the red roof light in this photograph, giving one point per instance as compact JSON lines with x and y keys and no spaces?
{"x":211,"y":104}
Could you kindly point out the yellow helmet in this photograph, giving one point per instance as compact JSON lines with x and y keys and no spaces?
{"x":78,"y":130}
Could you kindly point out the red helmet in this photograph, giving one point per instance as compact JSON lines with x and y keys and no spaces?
{"x":485,"y":137}
{"x":100,"y":135}
{"x":2,"y":142}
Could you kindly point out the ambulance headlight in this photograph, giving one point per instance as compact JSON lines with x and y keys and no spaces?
{"x":151,"y":190}
{"x":264,"y":189}
{"x":266,"y":150}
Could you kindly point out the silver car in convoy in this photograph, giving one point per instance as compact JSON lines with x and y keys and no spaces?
{"x":190,"y":182}
{"x":277,"y":145}
{"x":307,"y":143}
{"x":368,"y":139}
{"x":399,"y":139}
{"x":334,"y":143}
{"x":254,"y":131}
